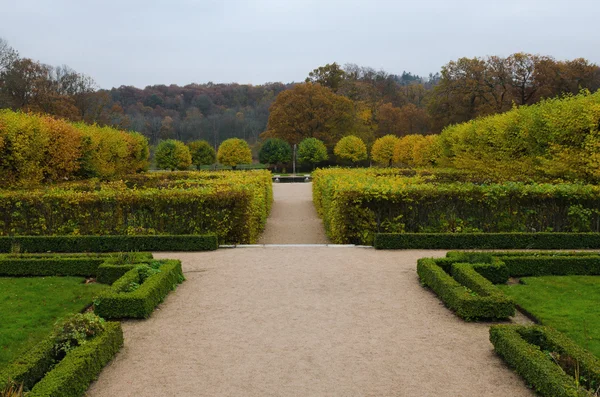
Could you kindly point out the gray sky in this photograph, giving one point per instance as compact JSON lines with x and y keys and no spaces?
{"x":133,"y":42}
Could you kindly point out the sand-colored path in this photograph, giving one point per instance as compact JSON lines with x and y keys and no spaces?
{"x":293,"y":219}
{"x":305,"y":322}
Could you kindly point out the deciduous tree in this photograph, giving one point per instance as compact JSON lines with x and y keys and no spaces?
{"x":351,"y":148}
{"x":233,"y":152}
{"x":312,"y":151}
{"x":310,"y":111}
{"x":275,"y":151}
{"x":172,"y":155}
{"x":202,"y":153}
{"x":382,"y":151}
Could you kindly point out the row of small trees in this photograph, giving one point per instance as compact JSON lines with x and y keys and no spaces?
{"x":176,"y":155}
{"x":411,"y":150}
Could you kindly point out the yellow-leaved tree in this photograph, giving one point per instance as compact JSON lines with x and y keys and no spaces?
{"x":351,"y":148}
{"x":233,"y":152}
{"x":382,"y":151}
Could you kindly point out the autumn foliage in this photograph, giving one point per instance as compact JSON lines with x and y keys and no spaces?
{"x":351,"y":148}
{"x":39,"y":148}
{"x":234,"y":152}
{"x":310,"y":111}
{"x":382,"y":151}
{"x":557,"y":139}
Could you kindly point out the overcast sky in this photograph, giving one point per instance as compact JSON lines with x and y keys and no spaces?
{"x":140,"y":43}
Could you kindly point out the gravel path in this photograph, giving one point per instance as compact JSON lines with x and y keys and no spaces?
{"x":293,"y":218}
{"x":305,"y":322}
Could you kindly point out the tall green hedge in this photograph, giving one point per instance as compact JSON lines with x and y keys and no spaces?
{"x":233,"y":205}
{"x":356,"y":204}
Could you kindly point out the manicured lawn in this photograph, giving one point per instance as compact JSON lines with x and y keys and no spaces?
{"x":29,"y":308}
{"x":571,"y":304}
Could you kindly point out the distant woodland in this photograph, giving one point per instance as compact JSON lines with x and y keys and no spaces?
{"x":360,"y":100}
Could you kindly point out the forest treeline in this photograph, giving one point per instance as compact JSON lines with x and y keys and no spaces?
{"x":360,"y":100}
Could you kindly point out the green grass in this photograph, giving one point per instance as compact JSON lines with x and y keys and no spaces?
{"x":29,"y":308}
{"x":571,"y":304}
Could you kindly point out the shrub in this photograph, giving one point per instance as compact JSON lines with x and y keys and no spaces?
{"x":382,"y":151}
{"x":172,"y":155}
{"x":351,"y":148}
{"x":121,"y":301}
{"x":529,"y":350}
{"x":233,"y":152}
{"x":486,"y":302}
{"x":275,"y":151}
{"x":356,"y":204}
{"x":109,"y":243}
{"x":74,"y":373}
{"x":71,"y":376}
{"x":57,"y":266}
{"x":486,"y":240}
{"x":234,"y":206}
{"x":202,"y":153}
{"x":312,"y":151}
{"x":109,"y":154}
{"x":556,"y":138}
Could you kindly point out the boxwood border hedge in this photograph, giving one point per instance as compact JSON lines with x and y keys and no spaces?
{"x":111,"y":243}
{"x":115,"y":304}
{"x":479,"y":299}
{"x":464,"y":281}
{"x":487,"y":240}
{"x":523,"y":348}
{"x":73,"y":374}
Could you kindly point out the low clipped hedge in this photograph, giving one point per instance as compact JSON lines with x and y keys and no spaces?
{"x":486,"y":240}
{"x":531,"y":264}
{"x":81,"y":267}
{"x":108,"y":243}
{"x":484,"y":302}
{"x":104,"y":267}
{"x":525,"y":348}
{"x":464,"y":281}
{"x":140,"y":303}
{"x":73,"y":374}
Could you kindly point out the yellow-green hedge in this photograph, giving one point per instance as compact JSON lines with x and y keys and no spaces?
{"x":233,"y":205}
{"x":36,"y":148}
{"x":357,"y":204}
{"x":554,"y":139}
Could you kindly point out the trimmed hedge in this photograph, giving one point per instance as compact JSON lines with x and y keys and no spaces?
{"x":486,"y":240}
{"x":140,"y":303}
{"x":524,"y":266}
{"x":31,"y":366}
{"x":233,"y":205}
{"x":527,"y":264}
{"x":104,"y":267}
{"x":73,"y":374}
{"x":109,"y":273}
{"x":357,"y":204}
{"x":82,"y":267}
{"x":479,"y":271}
{"x":524,"y":349}
{"x":484,"y":303}
{"x":109,"y":243}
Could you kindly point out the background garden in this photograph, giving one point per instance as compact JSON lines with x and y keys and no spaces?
{"x":510,"y":162}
